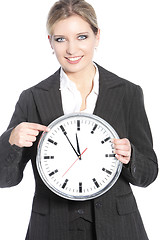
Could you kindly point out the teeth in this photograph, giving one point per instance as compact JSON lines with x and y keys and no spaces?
{"x":74,"y":59}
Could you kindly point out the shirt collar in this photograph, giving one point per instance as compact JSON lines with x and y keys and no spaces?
{"x":66,"y":83}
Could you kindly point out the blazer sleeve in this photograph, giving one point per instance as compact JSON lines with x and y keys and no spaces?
{"x":13,"y":159}
{"x":143,"y":167}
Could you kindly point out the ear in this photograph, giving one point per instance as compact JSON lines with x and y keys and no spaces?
{"x":50,"y":40}
{"x":98,"y":38}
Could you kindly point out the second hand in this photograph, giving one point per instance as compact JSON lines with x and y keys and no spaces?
{"x":74,"y":162}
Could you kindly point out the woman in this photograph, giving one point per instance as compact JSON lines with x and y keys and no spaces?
{"x":81,"y":85}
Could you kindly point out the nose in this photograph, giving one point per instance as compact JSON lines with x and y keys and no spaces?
{"x":71,"y":47}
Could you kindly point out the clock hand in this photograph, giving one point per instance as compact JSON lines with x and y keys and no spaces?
{"x":78,"y":155}
{"x":78,"y":149}
{"x":65,"y":133}
{"x":74,"y":163}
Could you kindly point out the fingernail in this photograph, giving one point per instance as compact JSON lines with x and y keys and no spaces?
{"x":113,"y":146}
{"x":47,"y":129}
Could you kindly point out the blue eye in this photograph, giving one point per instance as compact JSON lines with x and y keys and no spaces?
{"x":82,"y":37}
{"x":60,"y":39}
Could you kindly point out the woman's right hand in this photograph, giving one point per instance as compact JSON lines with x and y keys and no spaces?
{"x":24,"y":134}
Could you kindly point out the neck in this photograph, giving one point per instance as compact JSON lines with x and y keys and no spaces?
{"x":84,"y":82}
{"x":83,"y":78}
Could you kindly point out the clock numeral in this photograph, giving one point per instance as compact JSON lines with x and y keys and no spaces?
{"x":52,"y":173}
{"x":95,"y":182}
{"x":78,"y":125}
{"x":95,"y":126}
{"x":51,"y":141}
{"x":105,"y":140}
{"x":80,"y":187}
{"x":48,"y":157}
{"x":107,"y":171}
{"x":63,"y":130}
{"x":110,"y":155}
{"x":65,"y":183}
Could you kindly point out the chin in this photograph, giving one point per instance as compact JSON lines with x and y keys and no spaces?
{"x":75,"y":68}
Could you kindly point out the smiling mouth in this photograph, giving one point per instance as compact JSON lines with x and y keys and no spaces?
{"x":74,"y":60}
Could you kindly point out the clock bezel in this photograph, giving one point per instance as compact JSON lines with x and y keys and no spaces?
{"x":61,"y":193}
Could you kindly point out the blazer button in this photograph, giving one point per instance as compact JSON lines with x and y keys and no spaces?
{"x":98,"y":205}
{"x":80,"y":211}
{"x":134,"y":169}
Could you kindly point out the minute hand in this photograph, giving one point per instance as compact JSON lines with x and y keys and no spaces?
{"x":65,"y":133}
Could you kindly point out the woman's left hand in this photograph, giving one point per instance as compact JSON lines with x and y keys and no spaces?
{"x":122,"y":149}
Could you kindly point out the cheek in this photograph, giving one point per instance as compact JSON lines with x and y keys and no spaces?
{"x":89,"y":48}
{"x":59,"y":51}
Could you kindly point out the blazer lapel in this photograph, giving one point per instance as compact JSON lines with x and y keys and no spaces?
{"x":48,"y":99}
{"x":111,"y":93}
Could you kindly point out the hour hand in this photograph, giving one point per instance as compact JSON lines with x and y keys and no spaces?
{"x":78,"y":148}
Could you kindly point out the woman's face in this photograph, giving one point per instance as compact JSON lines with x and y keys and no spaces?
{"x":73,"y":42}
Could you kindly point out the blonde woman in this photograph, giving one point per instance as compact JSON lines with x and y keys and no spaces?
{"x":81,"y":85}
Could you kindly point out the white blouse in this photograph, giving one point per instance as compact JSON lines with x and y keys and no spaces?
{"x":71,"y":97}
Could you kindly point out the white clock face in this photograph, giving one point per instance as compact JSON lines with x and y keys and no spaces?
{"x":76,"y":159}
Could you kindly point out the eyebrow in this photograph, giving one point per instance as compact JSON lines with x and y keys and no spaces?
{"x":59,"y":35}
{"x":82,"y":33}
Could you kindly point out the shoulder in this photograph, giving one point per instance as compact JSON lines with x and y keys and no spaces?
{"x":49,"y":82}
{"x":113,"y":81}
{"x":110,"y":76}
{"x":45,"y":85}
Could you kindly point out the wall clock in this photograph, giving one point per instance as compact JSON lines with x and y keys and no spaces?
{"x":76,"y":159}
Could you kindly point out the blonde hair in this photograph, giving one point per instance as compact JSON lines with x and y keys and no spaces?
{"x":63,"y":9}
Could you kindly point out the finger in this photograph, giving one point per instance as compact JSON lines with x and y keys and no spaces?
{"x":28,"y":141}
{"x":123,"y":141}
{"x":122,"y":147}
{"x":30,"y":138}
{"x":39,"y":127}
{"x":28,"y":144}
{"x":124,"y":160}
{"x":24,"y":140}
{"x":32,"y":132}
{"x":123,"y":153}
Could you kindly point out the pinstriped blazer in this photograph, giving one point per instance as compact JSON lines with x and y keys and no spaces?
{"x":117,"y":217}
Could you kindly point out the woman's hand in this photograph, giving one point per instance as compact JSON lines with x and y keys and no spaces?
{"x":25,"y":134}
{"x":122,"y":149}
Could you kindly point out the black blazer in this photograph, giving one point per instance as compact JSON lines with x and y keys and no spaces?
{"x":120,"y":102}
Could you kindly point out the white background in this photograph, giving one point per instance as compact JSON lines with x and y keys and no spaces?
{"x":130,"y":47}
